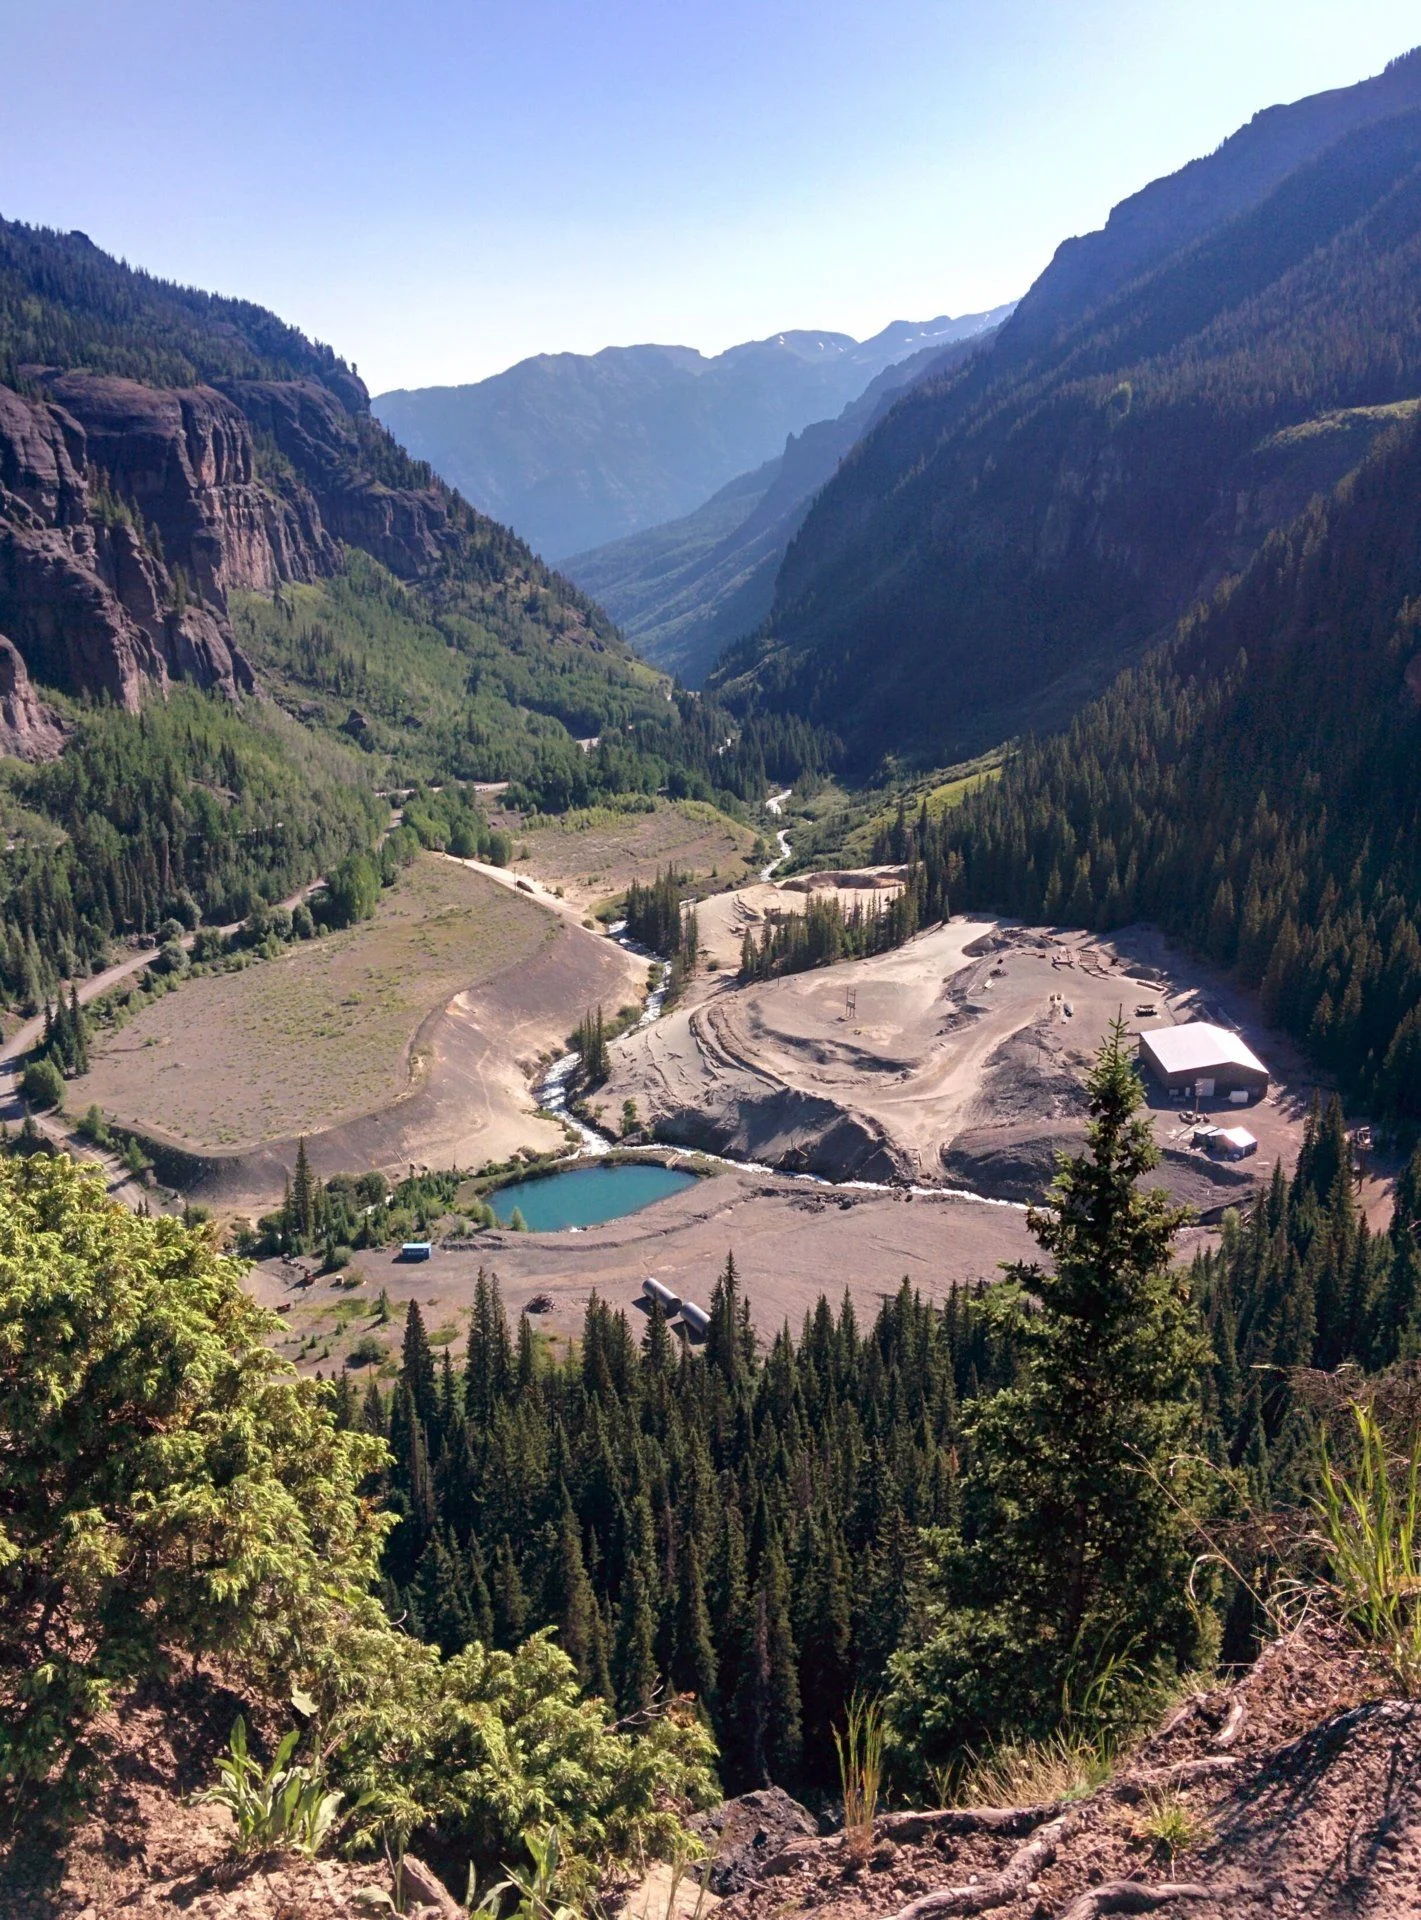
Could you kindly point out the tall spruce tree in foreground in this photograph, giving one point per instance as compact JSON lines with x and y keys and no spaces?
{"x":1067,"y":1588}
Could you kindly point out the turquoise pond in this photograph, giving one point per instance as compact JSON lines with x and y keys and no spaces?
{"x":587,"y":1196}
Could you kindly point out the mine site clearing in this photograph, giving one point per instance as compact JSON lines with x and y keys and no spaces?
{"x":958,"y":1059}
{"x":955,"y":1062}
{"x":969,"y":1045}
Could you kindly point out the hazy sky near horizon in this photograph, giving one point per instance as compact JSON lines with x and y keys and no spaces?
{"x":442,"y":187}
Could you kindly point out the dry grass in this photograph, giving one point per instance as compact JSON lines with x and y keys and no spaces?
{"x":321,"y":1034}
{"x":596,"y":854}
{"x":1064,"y":1766}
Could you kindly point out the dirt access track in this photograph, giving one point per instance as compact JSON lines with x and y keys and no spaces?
{"x":412,"y":1038}
{"x":793,"y":1240}
{"x":958,"y":1059}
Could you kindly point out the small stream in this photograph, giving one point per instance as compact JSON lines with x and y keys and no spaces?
{"x":775,"y":805}
{"x":551,"y":1092}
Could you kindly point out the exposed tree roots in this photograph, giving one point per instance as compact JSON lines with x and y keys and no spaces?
{"x":1133,"y":1896}
{"x":979,"y":1896}
{"x":961,"y":1820}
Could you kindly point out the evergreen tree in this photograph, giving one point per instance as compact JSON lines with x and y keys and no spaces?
{"x":303,"y":1196}
{"x":693,"y":1664}
{"x":509,"y":1601}
{"x":635,"y":1661}
{"x":417,"y":1369}
{"x":1076,"y":1548}
{"x":571,"y":1601}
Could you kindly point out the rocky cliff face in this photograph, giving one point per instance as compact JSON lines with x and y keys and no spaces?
{"x":28,"y":730}
{"x":85,"y":591}
{"x":129,"y":512}
{"x":406,"y":529}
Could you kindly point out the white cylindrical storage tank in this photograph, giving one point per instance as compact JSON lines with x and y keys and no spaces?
{"x":657,"y":1290}
{"x":694,"y":1317}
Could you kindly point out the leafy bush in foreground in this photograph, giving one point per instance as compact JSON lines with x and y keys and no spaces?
{"x":168,"y":1486}
{"x":164,"y":1480}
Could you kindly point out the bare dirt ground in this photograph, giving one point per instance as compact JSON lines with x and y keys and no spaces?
{"x":596,"y":855}
{"x":792,"y":1241}
{"x":957,"y":1059}
{"x":1300,"y":1791}
{"x":413,"y":1038}
{"x":321,"y":1033}
{"x":145,"y":1849}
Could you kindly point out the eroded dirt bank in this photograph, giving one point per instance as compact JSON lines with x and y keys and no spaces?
{"x":958,"y":1059}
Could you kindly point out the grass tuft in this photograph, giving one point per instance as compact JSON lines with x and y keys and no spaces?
{"x":1367,"y":1516}
{"x":860,"y":1749}
{"x":1171,"y":1826}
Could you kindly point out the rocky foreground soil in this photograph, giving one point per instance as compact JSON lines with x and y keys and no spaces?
{"x":1301,"y":1786}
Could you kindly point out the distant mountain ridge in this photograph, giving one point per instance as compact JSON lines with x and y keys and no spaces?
{"x":576,"y":450}
{"x":162,"y":447}
{"x":683,"y":591}
{"x":1170,"y":391}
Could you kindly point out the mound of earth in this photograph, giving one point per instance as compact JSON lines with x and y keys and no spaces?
{"x":789,"y":1130}
{"x":745,"y":1833}
{"x":1300,"y":1786}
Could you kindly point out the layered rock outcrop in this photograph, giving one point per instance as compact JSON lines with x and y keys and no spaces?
{"x":86,"y":592}
{"x":186,"y":461}
{"x":404,"y":528}
{"x":28,"y":729}
{"x":128,"y":513}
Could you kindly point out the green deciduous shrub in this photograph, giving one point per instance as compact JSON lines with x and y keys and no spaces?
{"x":43,"y":1085}
{"x":164,"y":1480}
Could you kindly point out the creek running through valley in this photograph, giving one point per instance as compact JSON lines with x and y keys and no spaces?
{"x":551,"y":1093}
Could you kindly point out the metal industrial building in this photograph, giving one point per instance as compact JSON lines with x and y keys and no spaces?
{"x":1203,"y":1062}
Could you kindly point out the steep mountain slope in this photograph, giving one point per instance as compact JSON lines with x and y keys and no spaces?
{"x":988,"y":555}
{"x":683,"y":591}
{"x":160,"y":448}
{"x":575,"y":450}
{"x":1253,"y":788}
{"x":233,"y":610}
{"x":1182,"y":207}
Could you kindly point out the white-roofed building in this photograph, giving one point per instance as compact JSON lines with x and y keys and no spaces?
{"x":1199,"y":1061}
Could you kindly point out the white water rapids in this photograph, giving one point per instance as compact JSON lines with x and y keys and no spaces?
{"x":775,"y":805}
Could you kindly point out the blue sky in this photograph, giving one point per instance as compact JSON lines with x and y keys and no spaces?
{"x":440,"y":188}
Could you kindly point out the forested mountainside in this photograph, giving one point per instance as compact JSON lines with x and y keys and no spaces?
{"x":195,"y":500}
{"x":682,"y":592}
{"x":992,"y":551}
{"x":575,"y":450}
{"x":1252,"y":787}
{"x":160,"y":447}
